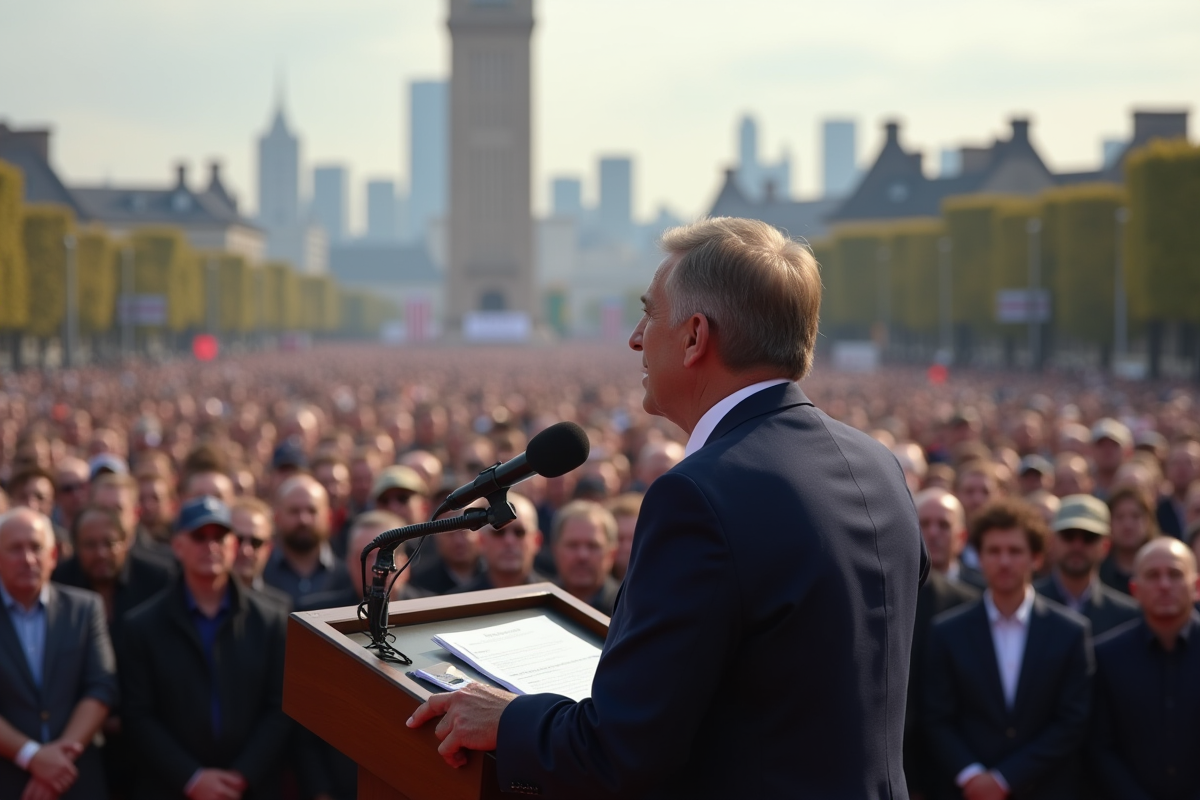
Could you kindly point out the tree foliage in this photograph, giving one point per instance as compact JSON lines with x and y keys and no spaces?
{"x":165,"y":264}
{"x":44,"y":228}
{"x":1163,"y":235}
{"x":970,"y":224}
{"x":99,"y":268}
{"x":1080,"y":239}
{"x":856,"y":287}
{"x":281,"y":297}
{"x":914,"y":262}
{"x":14,"y":278}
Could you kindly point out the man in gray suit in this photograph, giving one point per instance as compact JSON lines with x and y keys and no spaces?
{"x":57,"y":671}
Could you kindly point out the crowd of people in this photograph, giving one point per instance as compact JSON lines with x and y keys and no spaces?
{"x":159,"y":521}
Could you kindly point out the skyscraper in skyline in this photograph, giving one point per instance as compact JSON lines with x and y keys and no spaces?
{"x":429,"y":147}
{"x":567,"y":197}
{"x":839,"y":161}
{"x":329,"y":200}
{"x":615,"y":212}
{"x":382,"y":212}
{"x":278,"y":175}
{"x":755,"y":178}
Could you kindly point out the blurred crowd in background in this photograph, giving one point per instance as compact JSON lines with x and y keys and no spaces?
{"x":246,"y":489}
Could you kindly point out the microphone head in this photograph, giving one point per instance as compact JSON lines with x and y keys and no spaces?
{"x":558,"y":450}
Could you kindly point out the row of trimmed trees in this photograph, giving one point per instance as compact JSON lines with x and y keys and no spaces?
{"x":203,"y":290}
{"x":921,"y":279}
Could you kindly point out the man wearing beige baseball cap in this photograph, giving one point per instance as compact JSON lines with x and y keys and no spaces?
{"x":1081,"y":539}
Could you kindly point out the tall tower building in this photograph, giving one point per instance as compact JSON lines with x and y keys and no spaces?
{"x":278,"y":175}
{"x":490,"y":240}
{"x":429,"y":148}
{"x":839,"y":167}
{"x":567,"y":197}
{"x":329,"y":200}
{"x":383,"y":216}
{"x":615,"y":214}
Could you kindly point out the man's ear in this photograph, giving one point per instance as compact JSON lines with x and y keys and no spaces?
{"x":698,"y":339}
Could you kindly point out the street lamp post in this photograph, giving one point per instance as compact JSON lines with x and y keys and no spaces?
{"x":1032,"y":307}
{"x":1120,"y":302}
{"x":70,"y":355}
{"x":127,"y":304}
{"x":946,"y":331}
{"x":213,"y":319}
{"x":884,"y":255}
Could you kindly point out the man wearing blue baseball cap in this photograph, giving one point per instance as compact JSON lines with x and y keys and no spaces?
{"x":202,"y":672}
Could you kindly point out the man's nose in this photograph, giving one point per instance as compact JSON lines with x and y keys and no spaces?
{"x":635,"y":338}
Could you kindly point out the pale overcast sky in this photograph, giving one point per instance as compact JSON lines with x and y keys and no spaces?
{"x":132,"y":86}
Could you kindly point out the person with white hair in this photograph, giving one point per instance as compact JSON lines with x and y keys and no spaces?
{"x":57,"y":670}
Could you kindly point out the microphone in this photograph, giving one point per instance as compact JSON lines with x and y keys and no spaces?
{"x":553,"y":452}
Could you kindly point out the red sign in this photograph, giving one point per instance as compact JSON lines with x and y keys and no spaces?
{"x":204,"y":347}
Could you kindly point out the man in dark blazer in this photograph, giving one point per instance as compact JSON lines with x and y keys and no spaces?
{"x":760,"y":644}
{"x":1145,"y":733}
{"x":57,"y":673}
{"x":124,"y":579}
{"x":938,"y":512}
{"x":1082,"y":533}
{"x":1008,"y":678}
{"x":202,"y":674}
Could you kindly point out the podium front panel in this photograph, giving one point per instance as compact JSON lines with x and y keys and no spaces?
{"x":359,"y":703}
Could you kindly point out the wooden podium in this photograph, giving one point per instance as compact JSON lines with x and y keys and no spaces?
{"x":359,"y":703}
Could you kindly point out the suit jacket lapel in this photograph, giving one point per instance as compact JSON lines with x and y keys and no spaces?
{"x":775,"y":398}
{"x":10,"y":644}
{"x":54,"y":617}
{"x":1034,"y":645}
{"x":988,"y":667}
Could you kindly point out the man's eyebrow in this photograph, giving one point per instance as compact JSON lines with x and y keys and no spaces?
{"x":646,"y":300}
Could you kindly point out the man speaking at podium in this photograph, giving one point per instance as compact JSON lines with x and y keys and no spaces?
{"x":760,"y":645}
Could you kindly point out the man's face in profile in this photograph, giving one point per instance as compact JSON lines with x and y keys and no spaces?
{"x":653,"y":338}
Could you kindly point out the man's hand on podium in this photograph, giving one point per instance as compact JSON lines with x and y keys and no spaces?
{"x":470,"y":719}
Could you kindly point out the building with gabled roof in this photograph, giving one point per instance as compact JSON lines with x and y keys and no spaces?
{"x":797,"y":218}
{"x":29,"y":150}
{"x":209,"y":218}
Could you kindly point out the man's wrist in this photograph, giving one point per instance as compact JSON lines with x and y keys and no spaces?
{"x":191,"y":784}
{"x":26,"y":754}
{"x":968,"y":772}
{"x":999,"y":779}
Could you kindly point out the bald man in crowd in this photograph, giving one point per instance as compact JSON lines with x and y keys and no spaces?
{"x":943,"y":528}
{"x":303,"y":562}
{"x":1145,"y":731}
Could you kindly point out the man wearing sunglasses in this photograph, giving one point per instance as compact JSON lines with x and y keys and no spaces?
{"x":508,"y":552}
{"x":202,"y":674}
{"x":1082,"y":538}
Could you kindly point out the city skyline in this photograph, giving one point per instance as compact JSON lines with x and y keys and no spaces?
{"x":950,"y":76}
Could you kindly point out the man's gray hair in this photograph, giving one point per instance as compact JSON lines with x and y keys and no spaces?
{"x":38,"y":519}
{"x":589,"y":510}
{"x":760,"y":291}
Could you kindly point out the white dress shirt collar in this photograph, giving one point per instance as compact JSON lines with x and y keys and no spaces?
{"x":1022,"y":613}
{"x":708,"y":423}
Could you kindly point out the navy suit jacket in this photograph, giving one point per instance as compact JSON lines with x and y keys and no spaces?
{"x":78,"y":663}
{"x":760,"y":644}
{"x":1036,"y":744}
{"x":1106,"y":609}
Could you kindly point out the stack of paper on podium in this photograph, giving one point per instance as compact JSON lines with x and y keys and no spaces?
{"x":529,"y":656}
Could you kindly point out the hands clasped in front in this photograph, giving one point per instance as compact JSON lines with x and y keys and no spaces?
{"x":53,"y":770}
{"x":470,"y":720}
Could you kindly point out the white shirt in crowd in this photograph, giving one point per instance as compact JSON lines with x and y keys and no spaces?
{"x":1009,"y":635}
